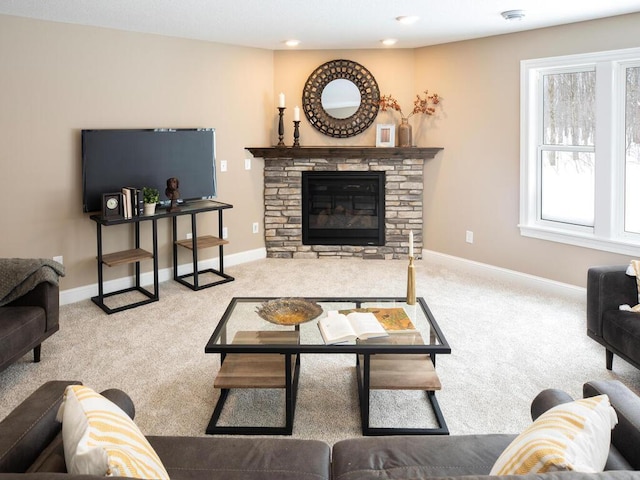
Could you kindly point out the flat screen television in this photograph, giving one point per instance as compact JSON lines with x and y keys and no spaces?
{"x":112,"y":159}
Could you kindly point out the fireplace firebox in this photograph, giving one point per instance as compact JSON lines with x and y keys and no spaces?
{"x":343,"y":208}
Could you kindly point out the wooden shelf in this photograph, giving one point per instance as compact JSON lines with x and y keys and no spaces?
{"x":125,"y":256}
{"x":205,"y":241}
{"x":402,"y":372}
{"x":344,"y":152}
{"x":256,"y":370}
{"x":252,"y":370}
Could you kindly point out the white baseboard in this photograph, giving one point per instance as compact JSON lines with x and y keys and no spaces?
{"x":83,"y":293}
{"x":510,"y":276}
{"x":522,"y":279}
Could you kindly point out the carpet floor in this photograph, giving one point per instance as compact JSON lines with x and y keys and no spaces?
{"x":508,"y":343}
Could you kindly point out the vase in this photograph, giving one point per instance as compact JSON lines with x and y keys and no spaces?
{"x":149,"y":208}
{"x":404,"y":133}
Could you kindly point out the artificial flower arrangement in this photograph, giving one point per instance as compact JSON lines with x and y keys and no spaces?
{"x":424,"y":104}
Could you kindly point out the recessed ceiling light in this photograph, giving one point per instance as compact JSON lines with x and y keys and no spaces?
{"x":513,"y":15}
{"x":407,"y":19}
{"x":389,"y":41}
{"x":292,"y":43}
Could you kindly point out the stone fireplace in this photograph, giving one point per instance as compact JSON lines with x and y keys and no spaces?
{"x":402,"y":170}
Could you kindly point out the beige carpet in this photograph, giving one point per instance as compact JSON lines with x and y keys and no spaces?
{"x":508,"y":343}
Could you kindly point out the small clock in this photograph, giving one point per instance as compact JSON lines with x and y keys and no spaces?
{"x":112,"y":205}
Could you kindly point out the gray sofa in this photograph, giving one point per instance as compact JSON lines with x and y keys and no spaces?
{"x":618,"y":331}
{"x":27,"y":321}
{"x":30,"y":442}
{"x":31,"y":447}
{"x":474,"y":455}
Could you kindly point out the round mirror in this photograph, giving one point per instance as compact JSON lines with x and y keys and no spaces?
{"x":350,"y":103}
{"x":340,"y":98}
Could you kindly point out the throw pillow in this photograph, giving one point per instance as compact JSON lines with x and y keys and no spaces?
{"x":633,"y":270}
{"x":572,"y":436}
{"x":99,"y":438}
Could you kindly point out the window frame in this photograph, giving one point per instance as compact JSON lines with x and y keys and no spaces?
{"x":608,"y":231}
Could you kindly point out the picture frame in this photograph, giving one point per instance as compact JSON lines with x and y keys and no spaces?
{"x":385,"y":135}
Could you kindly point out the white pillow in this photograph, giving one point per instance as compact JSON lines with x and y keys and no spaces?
{"x":571,"y":436}
{"x":99,"y":438}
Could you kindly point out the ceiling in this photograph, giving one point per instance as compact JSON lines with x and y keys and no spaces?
{"x":318,"y":24}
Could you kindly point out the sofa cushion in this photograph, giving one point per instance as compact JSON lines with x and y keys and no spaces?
{"x":622,"y":330}
{"x":399,"y":457}
{"x":233,"y":458}
{"x":100,"y":439}
{"x":19,"y":326}
{"x":571,"y":436}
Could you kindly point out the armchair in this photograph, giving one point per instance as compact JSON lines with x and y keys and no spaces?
{"x":27,"y":321}
{"x":618,"y":331}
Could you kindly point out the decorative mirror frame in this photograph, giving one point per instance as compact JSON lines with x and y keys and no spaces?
{"x":369,"y":98}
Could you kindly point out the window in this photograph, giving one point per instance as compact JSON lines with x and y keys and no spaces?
{"x":580,"y":150}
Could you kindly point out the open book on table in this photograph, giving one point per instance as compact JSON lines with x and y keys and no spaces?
{"x":340,"y":328}
{"x":392,"y":319}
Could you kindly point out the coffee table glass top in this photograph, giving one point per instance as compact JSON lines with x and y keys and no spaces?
{"x":241,"y":328}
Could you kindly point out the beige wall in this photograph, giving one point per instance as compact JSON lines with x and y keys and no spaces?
{"x":58,"y":79}
{"x":474,"y":183}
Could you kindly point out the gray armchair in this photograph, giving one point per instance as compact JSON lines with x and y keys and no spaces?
{"x":618,"y":331}
{"x":27,"y":321}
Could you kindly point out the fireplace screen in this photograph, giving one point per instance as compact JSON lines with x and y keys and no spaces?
{"x":343,"y":208}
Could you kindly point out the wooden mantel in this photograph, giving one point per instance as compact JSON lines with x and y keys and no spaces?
{"x":344,"y":152}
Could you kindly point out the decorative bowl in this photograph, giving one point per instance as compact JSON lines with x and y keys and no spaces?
{"x":289,"y":311}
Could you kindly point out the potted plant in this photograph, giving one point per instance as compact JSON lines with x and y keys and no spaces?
{"x":150,"y":197}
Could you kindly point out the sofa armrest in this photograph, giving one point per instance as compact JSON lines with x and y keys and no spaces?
{"x":51,"y":459}
{"x":608,"y":287}
{"x":45,"y":295}
{"x":121,"y":399}
{"x":626,"y":435}
{"x":31,"y":427}
{"x":548,"y":399}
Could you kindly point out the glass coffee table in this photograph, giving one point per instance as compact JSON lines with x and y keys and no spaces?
{"x":256,"y":353}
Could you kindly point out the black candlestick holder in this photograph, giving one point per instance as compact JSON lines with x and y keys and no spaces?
{"x":296,"y":133}
{"x":281,"y":126}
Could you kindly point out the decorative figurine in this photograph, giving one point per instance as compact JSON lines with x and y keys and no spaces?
{"x":173,"y":194}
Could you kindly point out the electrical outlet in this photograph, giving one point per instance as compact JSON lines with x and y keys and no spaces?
{"x":225,"y":233}
{"x":58,"y":259}
{"x":223,"y":165}
{"x":189,"y":235}
{"x":469,"y":236}
{"x":247,"y":164}
{"x":256,"y":227}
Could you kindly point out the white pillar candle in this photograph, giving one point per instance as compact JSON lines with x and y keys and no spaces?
{"x":281,"y":100}
{"x":411,"y":243}
{"x":296,"y":114}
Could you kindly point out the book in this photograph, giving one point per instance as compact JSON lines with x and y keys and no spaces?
{"x":340,"y":328}
{"x":392,"y":319}
{"x":126,"y":194}
{"x":135,"y":200}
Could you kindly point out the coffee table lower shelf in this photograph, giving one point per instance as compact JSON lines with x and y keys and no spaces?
{"x":398,"y":372}
{"x":258,"y":370}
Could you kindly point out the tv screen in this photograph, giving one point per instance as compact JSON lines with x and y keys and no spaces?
{"x":112,"y":159}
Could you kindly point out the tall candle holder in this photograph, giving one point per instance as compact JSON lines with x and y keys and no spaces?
{"x":411,"y":283}
{"x":296,"y":133}
{"x":281,"y":126}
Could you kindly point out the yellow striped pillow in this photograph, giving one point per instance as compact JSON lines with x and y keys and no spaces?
{"x":99,"y":438}
{"x":572,"y":436}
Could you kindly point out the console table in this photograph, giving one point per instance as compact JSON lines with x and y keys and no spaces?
{"x":138,"y":254}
